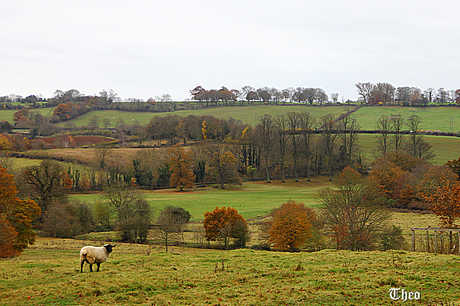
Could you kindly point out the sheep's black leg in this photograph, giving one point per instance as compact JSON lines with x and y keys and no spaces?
{"x":90,"y":267}
{"x":98,"y":265}
{"x":81,"y":268}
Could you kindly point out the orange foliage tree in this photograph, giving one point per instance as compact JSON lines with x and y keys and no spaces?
{"x":446,"y":202}
{"x":290,"y":226}
{"x":225,"y":223}
{"x":180,"y":165}
{"x":16,"y":217}
{"x":63,"y":111}
{"x":5,"y":143}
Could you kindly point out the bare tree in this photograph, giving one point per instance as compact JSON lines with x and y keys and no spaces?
{"x":103,"y":151}
{"x":266,"y":129}
{"x":383,"y":140}
{"x":293,"y":126}
{"x":281,"y":135}
{"x":348,"y":129}
{"x":46,"y":182}
{"x":171,"y":222}
{"x":307,"y":126}
{"x":365,"y":91}
{"x":397,"y":123}
{"x":329,"y":128}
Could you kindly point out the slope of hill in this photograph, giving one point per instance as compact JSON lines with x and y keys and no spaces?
{"x":48,"y":273}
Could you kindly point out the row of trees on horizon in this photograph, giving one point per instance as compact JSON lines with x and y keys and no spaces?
{"x":369,"y":93}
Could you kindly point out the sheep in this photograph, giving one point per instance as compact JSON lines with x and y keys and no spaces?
{"x":95,"y":255}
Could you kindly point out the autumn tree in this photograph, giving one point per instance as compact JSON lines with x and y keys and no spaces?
{"x":446,"y":203}
{"x":455,"y":166}
{"x":225,"y":223}
{"x":290,"y":226}
{"x":180,"y":165}
{"x":62,"y":111}
{"x":223,"y":167}
{"x":354,"y":212}
{"x":16,"y":217}
{"x":171,"y":222}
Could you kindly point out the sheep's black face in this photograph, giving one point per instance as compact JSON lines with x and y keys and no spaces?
{"x":109,"y":247}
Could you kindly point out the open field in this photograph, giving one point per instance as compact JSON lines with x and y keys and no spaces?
{"x":247,"y":114}
{"x":48,"y":273}
{"x":252,"y":199}
{"x":433,"y":118}
{"x":7,"y":114}
{"x":445,"y":147}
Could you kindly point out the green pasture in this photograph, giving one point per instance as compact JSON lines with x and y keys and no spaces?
{"x":247,"y":114}
{"x":7,"y":114}
{"x":445,"y":147}
{"x":433,"y":118}
{"x":252,"y":199}
{"x":48,"y":273}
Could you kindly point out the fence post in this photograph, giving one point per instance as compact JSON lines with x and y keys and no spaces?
{"x":436,"y":241}
{"x":428,"y":241}
{"x":442,"y":242}
{"x":413,"y":240}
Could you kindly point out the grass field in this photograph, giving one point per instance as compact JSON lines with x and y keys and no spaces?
{"x":48,"y":274}
{"x":7,"y":115}
{"x":252,"y":199}
{"x":247,"y":114}
{"x":433,"y":118}
{"x":445,"y":147}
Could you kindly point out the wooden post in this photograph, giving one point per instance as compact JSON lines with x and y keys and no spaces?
{"x":413,"y":240}
{"x":428,"y":241}
{"x":436,"y":241}
{"x":442,"y":242}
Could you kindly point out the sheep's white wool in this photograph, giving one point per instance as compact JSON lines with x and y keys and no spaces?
{"x":93,"y":254}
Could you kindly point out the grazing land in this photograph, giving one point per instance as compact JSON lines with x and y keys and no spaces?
{"x":7,"y":114}
{"x":247,"y":114}
{"x":48,"y":273}
{"x":252,"y":199}
{"x":445,"y":147}
{"x":433,"y":118}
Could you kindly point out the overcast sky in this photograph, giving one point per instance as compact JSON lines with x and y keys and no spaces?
{"x":148,"y":48}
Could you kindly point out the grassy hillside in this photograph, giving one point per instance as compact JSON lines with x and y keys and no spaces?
{"x":7,"y":115}
{"x":433,"y":118}
{"x":247,"y":114}
{"x":252,"y":200}
{"x":446,"y":148}
{"x":48,"y":274}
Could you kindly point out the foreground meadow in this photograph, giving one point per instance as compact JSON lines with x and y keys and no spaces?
{"x":48,"y":273}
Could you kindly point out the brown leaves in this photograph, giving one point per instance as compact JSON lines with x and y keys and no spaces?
{"x":16,"y":217}
{"x":290,"y":226}
{"x":180,"y":164}
{"x":446,"y":202}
